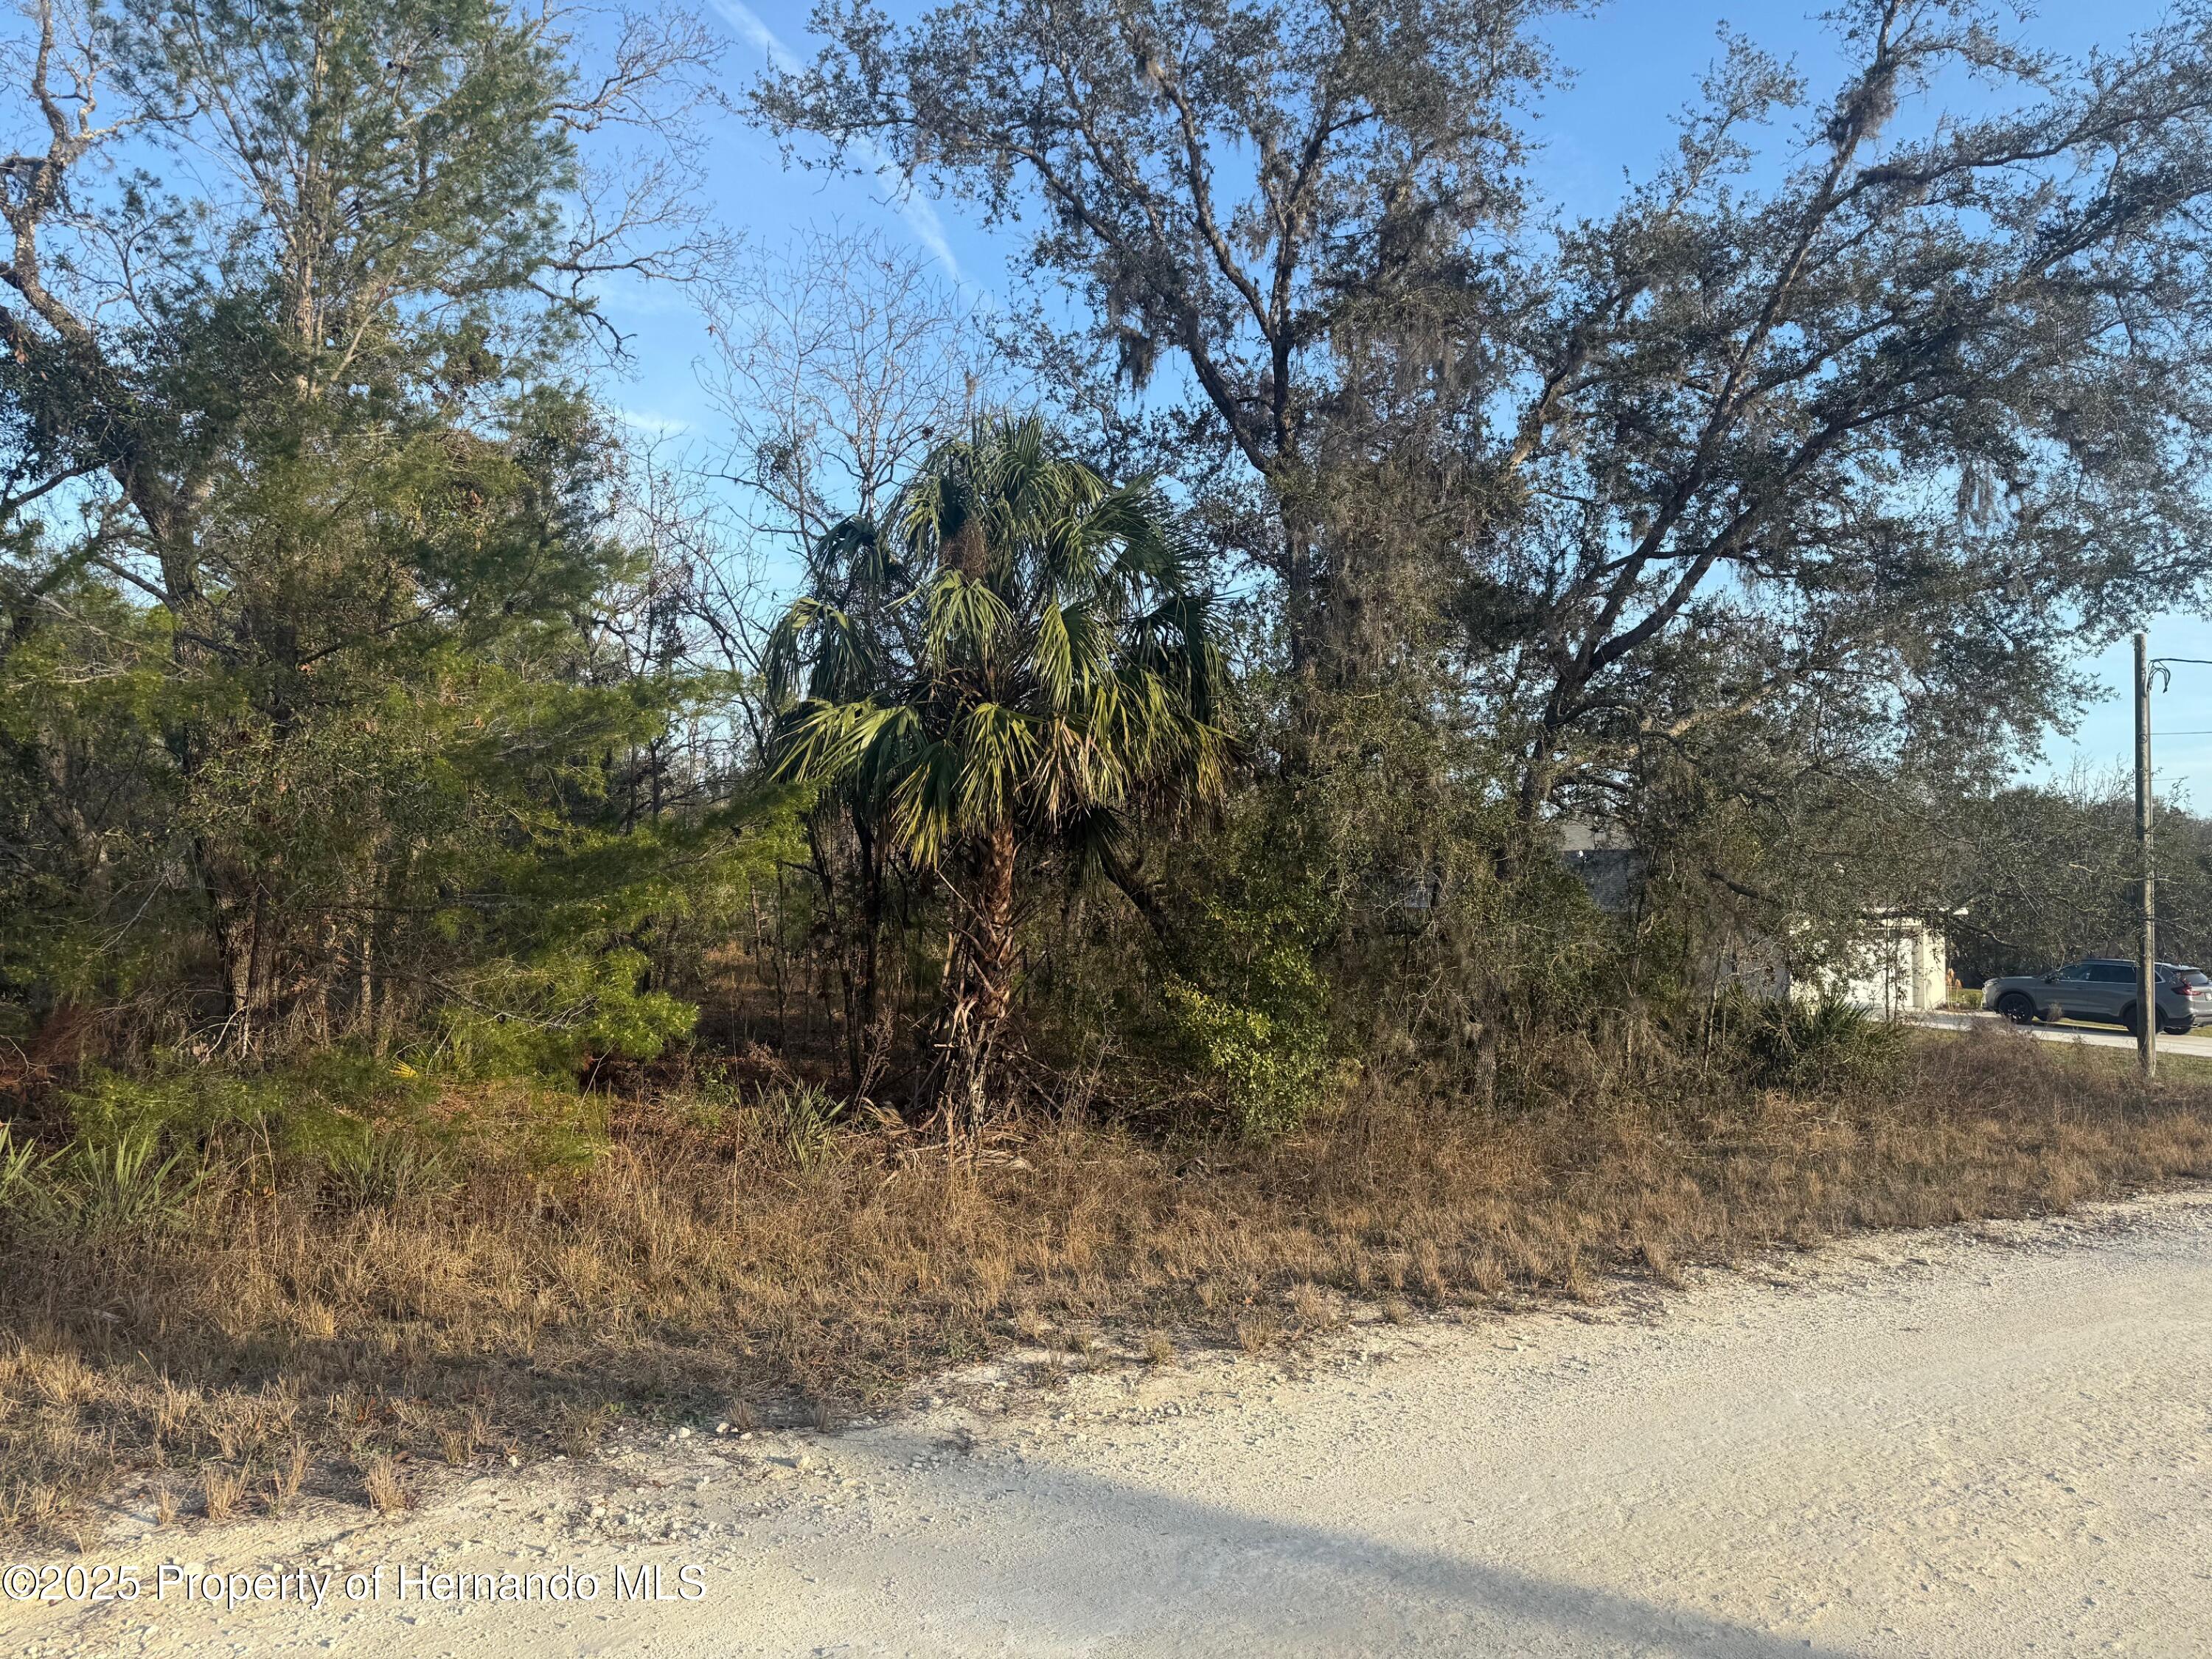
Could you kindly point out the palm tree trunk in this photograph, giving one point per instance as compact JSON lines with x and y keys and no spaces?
{"x":978,"y":991}
{"x":868,"y":963}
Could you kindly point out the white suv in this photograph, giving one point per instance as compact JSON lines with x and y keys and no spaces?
{"x":2103,"y":988}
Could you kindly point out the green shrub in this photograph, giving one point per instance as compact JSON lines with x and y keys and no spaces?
{"x":22,"y":1187}
{"x":1268,"y":1058}
{"x":801,"y":1121}
{"x":117,"y":1186}
{"x":1218,"y":1019}
{"x":313,"y":1111}
{"x":387,"y":1165}
{"x":1813,"y":1048}
{"x":546,"y":1018}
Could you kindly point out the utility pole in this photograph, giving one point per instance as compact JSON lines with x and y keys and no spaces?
{"x":2147,"y":946}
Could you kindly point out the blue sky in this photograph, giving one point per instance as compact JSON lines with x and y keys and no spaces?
{"x":1636,"y":63}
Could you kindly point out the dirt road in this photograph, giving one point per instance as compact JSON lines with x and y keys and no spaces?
{"x":1988,"y":1442}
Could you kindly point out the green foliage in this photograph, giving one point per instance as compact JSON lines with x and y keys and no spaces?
{"x":406,"y":786}
{"x":82,"y":709}
{"x":1375,"y":140}
{"x":363,"y":695}
{"x":386,"y":1165}
{"x":368,"y":1131}
{"x":1264,"y":1047}
{"x":313,"y":1110}
{"x":2037,"y":877}
{"x":122,"y":1183}
{"x":543,"y":1017}
{"x":1026,"y":644}
{"x":1767,"y":513}
{"x":801,"y":1120}
{"x":21,"y":1169}
{"x":1242,"y":983}
{"x":1829,"y":1046}
{"x":311,"y":690}
{"x":1020,"y":667}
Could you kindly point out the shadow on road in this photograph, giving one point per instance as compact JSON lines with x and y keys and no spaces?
{"x":1106,"y":1566}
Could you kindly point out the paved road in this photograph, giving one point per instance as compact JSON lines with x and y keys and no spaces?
{"x":2096,"y":1037}
{"x":1926,"y":1444}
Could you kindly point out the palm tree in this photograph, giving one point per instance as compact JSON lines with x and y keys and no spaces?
{"x":1019,"y":659}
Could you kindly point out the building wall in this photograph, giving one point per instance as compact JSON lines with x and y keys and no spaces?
{"x":1902,"y":966}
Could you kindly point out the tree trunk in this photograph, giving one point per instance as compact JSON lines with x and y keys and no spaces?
{"x":239,"y":911}
{"x":1298,"y":596}
{"x":839,"y":929}
{"x":868,"y":961}
{"x":364,"y":1012}
{"x":978,"y":990}
{"x":1305,"y":626}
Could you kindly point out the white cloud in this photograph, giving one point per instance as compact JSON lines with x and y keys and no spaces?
{"x":920,"y":214}
{"x":651,"y":424}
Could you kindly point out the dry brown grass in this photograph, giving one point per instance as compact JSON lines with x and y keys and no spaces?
{"x":1315,"y":1306}
{"x":684,"y":1271}
{"x":221,"y":1491}
{"x":380,"y":1484}
{"x":1258,"y":1333}
{"x":288,"y":1476}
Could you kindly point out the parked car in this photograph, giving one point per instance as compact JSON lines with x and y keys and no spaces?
{"x":2103,"y":988}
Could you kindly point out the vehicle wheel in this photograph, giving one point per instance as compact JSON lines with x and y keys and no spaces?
{"x":2128,"y":1018}
{"x":2017,"y":1006}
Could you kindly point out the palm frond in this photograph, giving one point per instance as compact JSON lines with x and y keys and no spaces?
{"x":923,"y":813}
{"x":823,"y":742}
{"x":1022,"y":642}
{"x":996,"y":745}
{"x":965,"y":619}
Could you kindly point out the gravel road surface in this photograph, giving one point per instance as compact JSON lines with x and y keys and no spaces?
{"x":1987,"y":1440}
